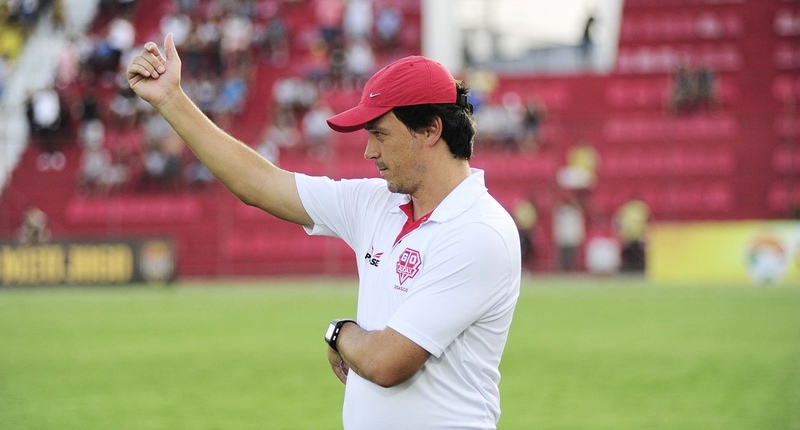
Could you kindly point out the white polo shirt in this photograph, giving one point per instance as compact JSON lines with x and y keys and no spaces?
{"x":450,"y":286}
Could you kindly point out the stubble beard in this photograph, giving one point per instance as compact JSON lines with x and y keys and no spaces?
{"x":407,"y":186}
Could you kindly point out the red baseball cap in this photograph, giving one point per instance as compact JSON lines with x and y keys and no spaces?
{"x":409,"y":81}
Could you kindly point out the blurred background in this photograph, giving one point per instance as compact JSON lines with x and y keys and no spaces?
{"x":648,"y":150}
{"x":650,"y":137}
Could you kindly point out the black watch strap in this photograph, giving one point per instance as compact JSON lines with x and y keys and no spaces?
{"x":332,"y":334}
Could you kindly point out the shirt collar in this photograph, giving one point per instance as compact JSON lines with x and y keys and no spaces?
{"x":459,"y":200}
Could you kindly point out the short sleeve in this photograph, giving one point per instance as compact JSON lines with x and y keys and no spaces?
{"x":341,"y":208}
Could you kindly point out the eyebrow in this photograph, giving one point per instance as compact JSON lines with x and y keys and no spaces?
{"x":372,"y":126}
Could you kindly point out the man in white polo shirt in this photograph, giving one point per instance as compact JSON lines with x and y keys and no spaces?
{"x":438,"y":258}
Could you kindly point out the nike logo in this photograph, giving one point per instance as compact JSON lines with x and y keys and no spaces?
{"x":372,"y":95}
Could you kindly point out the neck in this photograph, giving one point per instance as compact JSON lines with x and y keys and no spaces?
{"x":427,"y":198}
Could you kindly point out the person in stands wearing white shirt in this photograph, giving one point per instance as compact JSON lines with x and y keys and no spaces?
{"x":438,"y":258}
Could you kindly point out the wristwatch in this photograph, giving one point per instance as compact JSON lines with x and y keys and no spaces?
{"x":332,"y":335}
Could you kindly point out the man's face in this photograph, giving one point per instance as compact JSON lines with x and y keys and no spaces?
{"x":396,"y":151}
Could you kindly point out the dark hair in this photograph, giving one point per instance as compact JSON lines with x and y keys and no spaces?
{"x":458,"y":123}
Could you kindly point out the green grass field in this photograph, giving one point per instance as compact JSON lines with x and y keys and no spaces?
{"x":583,"y":354}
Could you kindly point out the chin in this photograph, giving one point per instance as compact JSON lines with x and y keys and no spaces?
{"x":394,"y":186}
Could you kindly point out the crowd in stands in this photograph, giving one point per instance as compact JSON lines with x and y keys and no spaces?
{"x":511,"y":124}
{"x":509,"y":121}
{"x":124,"y":144}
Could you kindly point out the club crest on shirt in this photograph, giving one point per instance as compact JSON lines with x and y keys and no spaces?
{"x":408,"y":265}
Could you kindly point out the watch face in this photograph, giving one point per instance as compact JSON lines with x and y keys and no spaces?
{"x":329,"y":333}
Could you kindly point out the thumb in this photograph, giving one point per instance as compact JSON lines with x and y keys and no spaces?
{"x":169,"y":47}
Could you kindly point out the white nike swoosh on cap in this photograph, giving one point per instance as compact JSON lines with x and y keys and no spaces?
{"x":371,"y":95}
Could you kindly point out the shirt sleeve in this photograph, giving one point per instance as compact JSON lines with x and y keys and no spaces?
{"x":338,"y":208}
{"x":465,"y":280}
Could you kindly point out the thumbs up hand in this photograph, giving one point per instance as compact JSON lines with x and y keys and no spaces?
{"x":153,"y":77}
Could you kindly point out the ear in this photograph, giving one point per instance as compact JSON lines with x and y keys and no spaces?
{"x":433,"y":132}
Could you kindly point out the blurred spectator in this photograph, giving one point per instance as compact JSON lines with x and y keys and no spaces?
{"x":94,"y":162}
{"x":631,"y":220}
{"x":99,"y":173}
{"x":683,"y":90}
{"x":388,"y":23}
{"x":514,"y":112}
{"x":231,"y":97}
{"x":275,"y":41}
{"x":121,"y":37}
{"x":569,"y":232}
{"x":483,"y":83}
{"x":115,"y":7}
{"x":154,"y":161}
{"x":236,"y":36}
{"x":209,"y":33}
{"x":493,"y":123}
{"x":202,"y":90}
{"x":281,"y":134}
{"x":535,"y":111}
{"x":23,"y":13}
{"x":124,"y":109}
{"x":360,"y":61}
{"x":173,"y":149}
{"x":706,"y":97}
{"x":192,"y":52}
{"x":501,"y":123}
{"x":186,"y":6}
{"x":102,"y":58}
{"x":337,"y":67}
{"x":46,"y":120}
{"x":526,"y":217}
{"x":179,"y":24}
{"x":587,"y":40}
{"x":358,"y":19}
{"x":316,"y":132}
{"x":317,"y":63}
{"x":162,"y":162}
{"x":91,"y":129}
{"x":329,"y":16}
{"x":59,"y":17}
{"x":602,"y":254}
{"x":294,"y":93}
{"x":34,"y":229}
{"x":693,"y":89}
{"x":579,"y":174}
{"x":12,"y":40}
{"x":69,"y":64}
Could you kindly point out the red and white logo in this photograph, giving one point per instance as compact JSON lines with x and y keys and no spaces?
{"x":408,"y":264}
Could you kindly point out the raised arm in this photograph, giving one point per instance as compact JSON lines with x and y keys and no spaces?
{"x":248,"y":175}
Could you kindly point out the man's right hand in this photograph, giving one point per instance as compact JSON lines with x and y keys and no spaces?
{"x":153,"y":77}
{"x":339,"y":367}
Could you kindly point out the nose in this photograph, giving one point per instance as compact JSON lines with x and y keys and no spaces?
{"x":371,"y":151}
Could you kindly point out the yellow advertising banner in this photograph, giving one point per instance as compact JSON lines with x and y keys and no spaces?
{"x":741,"y":252}
{"x":87,"y":262}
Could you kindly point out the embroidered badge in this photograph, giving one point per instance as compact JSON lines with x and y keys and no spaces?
{"x":408,"y":265}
